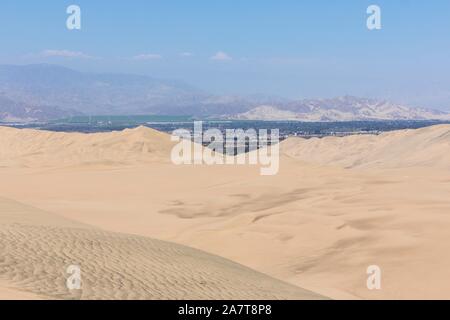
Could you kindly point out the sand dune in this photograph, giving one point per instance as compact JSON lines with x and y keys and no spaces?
{"x":32,"y":148}
{"x":37,"y":247}
{"x":329,"y":213}
{"x":426,"y":147}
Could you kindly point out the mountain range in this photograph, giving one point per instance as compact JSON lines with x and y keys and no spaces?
{"x":42,"y":92}
{"x":346,"y":108}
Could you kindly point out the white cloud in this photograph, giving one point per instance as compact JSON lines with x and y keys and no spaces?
{"x":186,"y":54}
{"x":64,"y":54}
{"x":221,"y":56}
{"x":147,"y":56}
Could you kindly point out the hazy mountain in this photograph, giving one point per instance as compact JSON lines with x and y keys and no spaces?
{"x":265,"y":113}
{"x":340,"y":109}
{"x":49,"y":85}
{"x":11,"y":111}
{"x":114,"y":94}
{"x":38,"y":92}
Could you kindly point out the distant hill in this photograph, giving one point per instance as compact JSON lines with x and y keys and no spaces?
{"x":265,"y":113}
{"x":42,"y":91}
{"x":340,"y":109}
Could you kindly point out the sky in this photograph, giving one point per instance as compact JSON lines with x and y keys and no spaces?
{"x":288,"y":48}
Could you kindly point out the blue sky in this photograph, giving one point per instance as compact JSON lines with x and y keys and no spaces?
{"x":290,"y":48}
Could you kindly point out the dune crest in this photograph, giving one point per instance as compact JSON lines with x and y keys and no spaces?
{"x":425,"y":147}
{"x":36,"y":148}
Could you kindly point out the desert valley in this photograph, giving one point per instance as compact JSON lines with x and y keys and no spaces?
{"x":141,"y":227}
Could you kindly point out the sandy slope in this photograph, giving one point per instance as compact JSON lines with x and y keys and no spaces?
{"x":315,"y":224}
{"x":37,"y":247}
{"x":426,"y":147}
{"x":31,"y":148}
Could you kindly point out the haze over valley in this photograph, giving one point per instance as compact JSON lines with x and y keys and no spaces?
{"x":47,"y":92}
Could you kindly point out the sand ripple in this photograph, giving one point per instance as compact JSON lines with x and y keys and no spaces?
{"x":34,"y":258}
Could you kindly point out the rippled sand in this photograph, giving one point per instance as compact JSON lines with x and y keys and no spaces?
{"x":37,"y":248}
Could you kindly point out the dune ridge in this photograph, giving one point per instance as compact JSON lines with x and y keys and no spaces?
{"x":425,"y":147}
{"x":36,"y":148}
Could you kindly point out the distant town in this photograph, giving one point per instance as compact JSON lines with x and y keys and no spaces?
{"x":170,"y":123}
